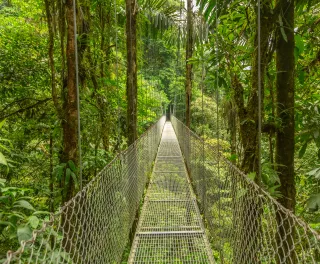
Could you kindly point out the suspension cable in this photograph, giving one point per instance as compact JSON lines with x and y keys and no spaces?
{"x":204,"y":192}
{"x":78,"y":92}
{"x":117,"y":80}
{"x":259,"y":92}
{"x":217,"y":112}
{"x":143,"y":107}
{"x":178,"y":60}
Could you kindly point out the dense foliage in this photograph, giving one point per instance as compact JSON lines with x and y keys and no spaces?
{"x":34,"y":173}
{"x":31,"y":141}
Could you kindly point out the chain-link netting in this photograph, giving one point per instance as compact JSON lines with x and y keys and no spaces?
{"x":170,"y":228}
{"x":94,"y":226}
{"x":245,"y":223}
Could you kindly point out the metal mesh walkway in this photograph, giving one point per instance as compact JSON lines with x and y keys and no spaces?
{"x":170,"y":228}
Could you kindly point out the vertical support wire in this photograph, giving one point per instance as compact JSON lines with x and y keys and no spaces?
{"x":117,"y":70}
{"x":143,"y":107}
{"x":148,"y":71}
{"x":178,"y":62}
{"x":183,"y":94}
{"x":259,"y":91}
{"x":78,"y":92}
{"x":217,"y":124}
{"x":204,"y":191}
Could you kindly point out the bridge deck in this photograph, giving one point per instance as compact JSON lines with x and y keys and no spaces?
{"x":170,"y":229}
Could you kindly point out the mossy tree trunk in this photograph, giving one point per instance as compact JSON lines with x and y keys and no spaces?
{"x":131,"y":30}
{"x":284,"y":157}
{"x":70,"y":120}
{"x":248,"y":251}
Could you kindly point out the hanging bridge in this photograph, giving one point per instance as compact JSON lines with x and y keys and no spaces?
{"x":170,"y":227}
{"x":180,"y":201}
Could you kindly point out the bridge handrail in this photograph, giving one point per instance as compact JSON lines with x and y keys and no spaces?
{"x":247,"y":225}
{"x":94,"y":226}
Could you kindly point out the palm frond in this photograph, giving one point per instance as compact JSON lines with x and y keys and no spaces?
{"x":212,"y":9}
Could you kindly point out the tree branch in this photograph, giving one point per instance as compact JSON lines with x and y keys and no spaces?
{"x":21,"y":110}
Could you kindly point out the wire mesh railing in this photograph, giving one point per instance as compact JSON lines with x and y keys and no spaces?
{"x":94,"y":226}
{"x":170,"y":229}
{"x":245,"y":224}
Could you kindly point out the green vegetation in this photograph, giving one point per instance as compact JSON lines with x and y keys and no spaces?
{"x":132,"y":73}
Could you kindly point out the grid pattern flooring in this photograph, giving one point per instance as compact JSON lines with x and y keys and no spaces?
{"x":170,"y":229}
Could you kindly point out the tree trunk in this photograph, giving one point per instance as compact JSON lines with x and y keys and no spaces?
{"x":131,"y":14}
{"x":50,"y":6}
{"x":70,"y":121}
{"x":285,"y":135}
{"x":247,"y":251}
{"x":248,"y":116}
{"x":49,"y":10}
{"x":189,"y":50}
{"x":131,"y":30}
{"x":103,"y":101}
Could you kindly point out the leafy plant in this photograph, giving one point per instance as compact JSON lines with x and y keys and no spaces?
{"x":69,"y":169}
{"x":3,"y":147}
{"x":18,"y":217}
{"x":313,"y":203}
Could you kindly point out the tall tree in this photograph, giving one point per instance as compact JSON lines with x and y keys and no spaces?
{"x":131,"y":30}
{"x":248,"y":114}
{"x":70,"y":121}
{"x":284,"y":158}
{"x":249,"y":132}
{"x":189,"y":50}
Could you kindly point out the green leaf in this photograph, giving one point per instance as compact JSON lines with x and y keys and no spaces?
{"x":24,"y":204}
{"x":74,"y":177}
{"x":301,"y":77}
{"x":296,"y":54}
{"x":273,"y":191}
{"x":6,"y":223}
{"x":208,"y":9}
{"x":58,"y":171}
{"x":15,"y":215}
{"x":2,"y":182}
{"x":303,"y":150}
{"x":72,"y":166}
{"x":24,"y":233}
{"x":222,"y":82}
{"x":2,"y":123}
{"x":315,"y":173}
{"x":34,"y":221}
{"x":68,"y":172}
{"x":299,"y":43}
{"x":7,"y":140}
{"x":283,"y":33}
{"x":313,"y":202}
{"x":233,"y":157}
{"x":251,"y":175}
{"x":4,"y":147}
{"x":3,"y":159}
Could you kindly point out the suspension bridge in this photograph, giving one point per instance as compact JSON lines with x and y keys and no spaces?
{"x":194,"y":207}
